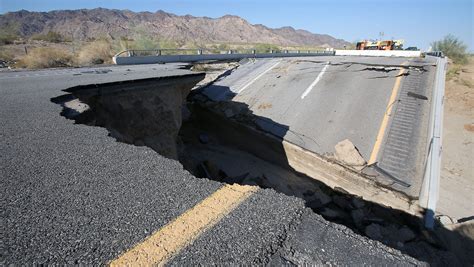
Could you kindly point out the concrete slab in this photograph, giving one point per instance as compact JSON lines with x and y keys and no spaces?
{"x":321,"y":101}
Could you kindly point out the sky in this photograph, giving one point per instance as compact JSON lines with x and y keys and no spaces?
{"x":418,"y":22}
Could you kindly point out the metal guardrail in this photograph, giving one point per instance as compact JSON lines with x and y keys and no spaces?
{"x":433,"y":164}
{"x":194,"y":55}
{"x":435,"y":53}
{"x":136,"y":56}
{"x":159,"y":52}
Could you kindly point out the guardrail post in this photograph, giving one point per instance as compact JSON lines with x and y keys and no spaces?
{"x":199,"y":51}
{"x":253,"y":51}
{"x":229,"y":52}
{"x":158,"y":53}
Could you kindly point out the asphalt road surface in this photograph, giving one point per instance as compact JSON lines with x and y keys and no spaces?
{"x":73,"y":195}
{"x":324,"y":100}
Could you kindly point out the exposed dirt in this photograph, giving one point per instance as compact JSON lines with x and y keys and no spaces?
{"x":457,"y":176}
{"x":469,"y":127}
{"x":146,"y":112}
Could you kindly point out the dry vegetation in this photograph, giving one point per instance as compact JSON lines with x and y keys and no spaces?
{"x":453,"y":48}
{"x":6,"y":55}
{"x":97,"y":52}
{"x":8,"y":35}
{"x":51,"y":36}
{"x":44,"y":53}
{"x":51,"y":49}
{"x":46,"y":57}
{"x":460,"y":84}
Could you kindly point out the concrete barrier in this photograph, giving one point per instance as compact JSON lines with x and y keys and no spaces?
{"x":194,"y":58}
{"x":379,"y":53}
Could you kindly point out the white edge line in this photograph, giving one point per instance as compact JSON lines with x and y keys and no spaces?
{"x":312,"y":85}
{"x":258,"y":77}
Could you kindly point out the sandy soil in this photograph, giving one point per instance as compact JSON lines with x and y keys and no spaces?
{"x":456,"y":197}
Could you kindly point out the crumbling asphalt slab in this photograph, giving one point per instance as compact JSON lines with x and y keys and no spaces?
{"x":237,"y":239}
{"x":73,"y":195}
{"x":321,"y":101}
{"x":322,"y":245}
{"x":293,"y":234}
{"x":135,"y":70}
{"x":70,"y":193}
{"x":319,"y":121}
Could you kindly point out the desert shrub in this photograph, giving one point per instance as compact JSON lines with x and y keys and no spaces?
{"x":96,"y":52}
{"x":143,"y":42}
{"x":466,"y":83}
{"x":142,"y":39}
{"x":213,"y":49}
{"x":46,"y":57}
{"x":452,"y":47}
{"x":453,"y":71}
{"x":52,"y":37}
{"x":123,"y":43}
{"x":266,"y":48}
{"x":7,"y":38}
{"x":224,"y":47}
{"x":8,"y":34}
{"x":6,"y":55}
{"x":167,"y":44}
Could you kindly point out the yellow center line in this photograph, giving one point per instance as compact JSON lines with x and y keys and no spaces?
{"x":386,"y":117}
{"x":167,"y":242}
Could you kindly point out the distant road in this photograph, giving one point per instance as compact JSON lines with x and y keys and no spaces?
{"x":81,"y":75}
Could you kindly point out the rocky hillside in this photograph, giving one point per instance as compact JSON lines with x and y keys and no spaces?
{"x":85,"y":24}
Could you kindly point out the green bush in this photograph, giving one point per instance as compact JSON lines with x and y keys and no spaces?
{"x":143,"y":42}
{"x":453,"y":48}
{"x":266,"y":48}
{"x":167,"y":44}
{"x":8,"y":34}
{"x":7,"y":38}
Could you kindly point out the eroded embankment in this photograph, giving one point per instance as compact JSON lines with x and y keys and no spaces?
{"x":222,"y":142}
{"x":143,"y":112}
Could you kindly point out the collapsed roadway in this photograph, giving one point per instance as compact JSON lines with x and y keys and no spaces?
{"x":263,"y":134}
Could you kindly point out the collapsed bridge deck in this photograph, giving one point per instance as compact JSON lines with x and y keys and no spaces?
{"x":73,"y":195}
{"x":381,"y":105}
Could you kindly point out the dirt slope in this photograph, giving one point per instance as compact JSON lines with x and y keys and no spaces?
{"x":457,"y":175}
